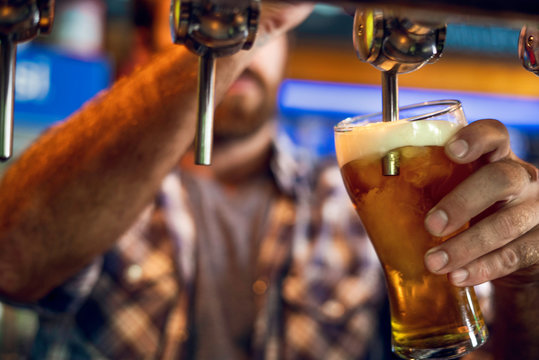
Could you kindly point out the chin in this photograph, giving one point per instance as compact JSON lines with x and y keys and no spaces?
{"x":238,"y":122}
{"x":236,"y":127}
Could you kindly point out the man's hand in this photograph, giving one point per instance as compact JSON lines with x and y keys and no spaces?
{"x":501,"y":200}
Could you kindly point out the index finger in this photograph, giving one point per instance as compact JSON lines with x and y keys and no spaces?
{"x":483,"y":137}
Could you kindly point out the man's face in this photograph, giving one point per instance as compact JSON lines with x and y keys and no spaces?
{"x":251,"y":100}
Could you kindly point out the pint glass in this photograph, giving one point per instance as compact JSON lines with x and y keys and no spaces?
{"x":430,"y":318}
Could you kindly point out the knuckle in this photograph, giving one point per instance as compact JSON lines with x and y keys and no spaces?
{"x":461,"y":252}
{"x":457,"y":201}
{"x":487,"y":124}
{"x":481,"y":241}
{"x":513,"y":222}
{"x":497,"y":124}
{"x":504,"y":226}
{"x":484,"y":270}
{"x":509,"y":176}
{"x":509,"y":258}
{"x":501,"y":130}
{"x":528,"y":254}
{"x":493,"y":127}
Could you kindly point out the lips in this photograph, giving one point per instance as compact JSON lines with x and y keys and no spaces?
{"x":242,"y":84}
{"x":247,"y":82}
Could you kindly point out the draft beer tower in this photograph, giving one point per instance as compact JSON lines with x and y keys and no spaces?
{"x":397,"y":37}
{"x":403,"y":36}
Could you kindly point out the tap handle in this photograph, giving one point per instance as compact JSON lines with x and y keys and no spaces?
{"x":19,"y":21}
{"x":8,"y":51}
{"x":212,"y":29}
{"x":223,"y":26}
{"x":528,"y":48}
{"x":393,"y":42}
{"x":206,"y":83}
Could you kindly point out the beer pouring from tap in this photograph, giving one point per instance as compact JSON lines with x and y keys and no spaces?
{"x":395,"y":44}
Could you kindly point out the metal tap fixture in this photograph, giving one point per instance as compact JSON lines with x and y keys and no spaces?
{"x":210,"y":29}
{"x":391,"y":41}
{"x":395,"y":45}
{"x":20,"y":20}
{"x":528,"y":48}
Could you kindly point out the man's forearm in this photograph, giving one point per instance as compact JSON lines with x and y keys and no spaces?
{"x":71,"y":195}
{"x":515,"y":332}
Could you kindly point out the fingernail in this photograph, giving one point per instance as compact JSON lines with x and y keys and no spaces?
{"x":436,"y":222}
{"x":459,"y":276}
{"x":436,"y":259}
{"x":458,"y":148}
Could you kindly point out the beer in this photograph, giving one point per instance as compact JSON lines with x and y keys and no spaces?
{"x":429,"y":316}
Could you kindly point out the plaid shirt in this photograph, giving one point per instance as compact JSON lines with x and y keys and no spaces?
{"x":317,"y":293}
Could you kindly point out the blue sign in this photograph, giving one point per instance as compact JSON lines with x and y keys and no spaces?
{"x":310,"y":109}
{"x":49,"y":85}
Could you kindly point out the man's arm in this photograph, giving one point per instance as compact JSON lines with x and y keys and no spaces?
{"x":71,"y":195}
{"x":82,"y":183}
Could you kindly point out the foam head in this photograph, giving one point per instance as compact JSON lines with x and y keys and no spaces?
{"x":377,"y":139}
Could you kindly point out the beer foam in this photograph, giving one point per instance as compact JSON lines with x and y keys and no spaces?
{"x":376,"y":139}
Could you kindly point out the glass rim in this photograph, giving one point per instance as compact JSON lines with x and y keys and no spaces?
{"x":452,"y":105}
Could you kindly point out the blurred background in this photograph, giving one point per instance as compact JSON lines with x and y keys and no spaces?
{"x":325,"y":83}
{"x":480,"y":67}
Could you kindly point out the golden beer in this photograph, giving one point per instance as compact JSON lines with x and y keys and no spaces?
{"x":430,"y":318}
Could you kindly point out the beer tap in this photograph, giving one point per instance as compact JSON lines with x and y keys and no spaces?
{"x":528,"y":48}
{"x":402,"y":37}
{"x":210,"y":29}
{"x":20,"y":20}
{"x":395,"y":45}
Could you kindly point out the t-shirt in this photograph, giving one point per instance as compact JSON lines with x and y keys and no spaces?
{"x":279,"y":269}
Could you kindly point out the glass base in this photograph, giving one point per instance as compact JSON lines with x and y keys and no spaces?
{"x":448,"y":351}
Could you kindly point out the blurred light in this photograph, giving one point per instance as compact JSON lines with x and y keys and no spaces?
{"x":310,"y":109}
{"x":482,"y":39}
{"x":334,"y":99}
{"x":50,"y":85}
{"x":32,"y":80}
{"x":80,"y":27}
{"x":327,"y":10}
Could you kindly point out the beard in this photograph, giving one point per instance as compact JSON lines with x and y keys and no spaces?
{"x":243,"y":112}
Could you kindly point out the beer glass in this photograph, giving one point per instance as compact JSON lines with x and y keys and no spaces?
{"x":430,"y":318}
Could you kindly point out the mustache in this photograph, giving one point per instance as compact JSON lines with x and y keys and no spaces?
{"x":253,"y":75}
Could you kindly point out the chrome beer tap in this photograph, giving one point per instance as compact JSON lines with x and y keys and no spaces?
{"x":210,"y":29}
{"x":401,"y":38}
{"x":395,"y":44}
{"x":528,"y":48}
{"x":20,"y":20}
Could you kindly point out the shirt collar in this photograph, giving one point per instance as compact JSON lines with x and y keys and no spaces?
{"x":292,"y":167}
